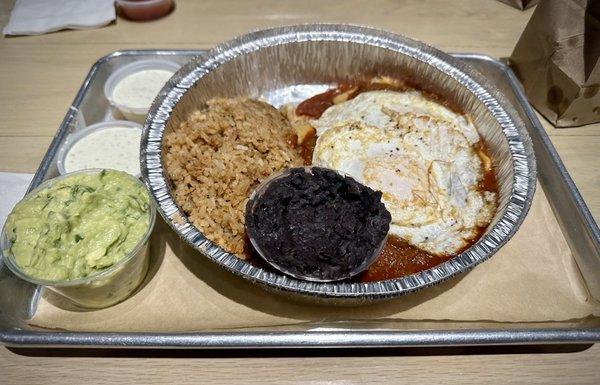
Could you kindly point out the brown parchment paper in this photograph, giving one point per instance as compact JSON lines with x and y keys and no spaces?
{"x":533,"y":278}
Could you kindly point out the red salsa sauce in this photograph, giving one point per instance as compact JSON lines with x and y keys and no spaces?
{"x":397,"y":259}
{"x":314,"y":106}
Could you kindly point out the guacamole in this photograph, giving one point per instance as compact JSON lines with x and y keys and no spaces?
{"x":78,"y":225}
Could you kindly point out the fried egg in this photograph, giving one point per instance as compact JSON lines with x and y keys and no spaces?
{"x":377,"y":108}
{"x":420,"y":155}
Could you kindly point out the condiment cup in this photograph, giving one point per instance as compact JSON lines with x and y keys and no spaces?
{"x":75,"y":136}
{"x":104,"y":288}
{"x":143,"y":10}
{"x":132,"y":113}
{"x":252,"y":236}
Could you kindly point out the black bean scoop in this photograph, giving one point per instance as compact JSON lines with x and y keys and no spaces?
{"x":315,"y":224}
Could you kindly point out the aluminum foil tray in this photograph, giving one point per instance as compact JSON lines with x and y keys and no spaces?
{"x":289,"y":64}
{"x":577,"y":223}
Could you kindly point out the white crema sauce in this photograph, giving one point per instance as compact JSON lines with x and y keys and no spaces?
{"x":115,"y":148}
{"x":139,"y":89}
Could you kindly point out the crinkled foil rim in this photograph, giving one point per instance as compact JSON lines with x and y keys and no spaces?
{"x":518,"y":140}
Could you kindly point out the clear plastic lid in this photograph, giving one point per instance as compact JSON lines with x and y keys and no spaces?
{"x":142,"y":65}
{"x":76,"y":136}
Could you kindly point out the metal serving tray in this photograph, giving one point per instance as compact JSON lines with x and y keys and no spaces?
{"x":19,"y":299}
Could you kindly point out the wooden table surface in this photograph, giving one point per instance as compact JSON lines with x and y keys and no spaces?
{"x":41,"y":74}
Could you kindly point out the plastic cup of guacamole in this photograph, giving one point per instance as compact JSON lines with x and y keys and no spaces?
{"x":83,"y":235}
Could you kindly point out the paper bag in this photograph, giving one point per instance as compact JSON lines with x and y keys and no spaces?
{"x":520,"y":4}
{"x":556,"y":59}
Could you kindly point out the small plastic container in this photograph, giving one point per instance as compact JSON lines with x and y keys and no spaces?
{"x":251,"y":205}
{"x":144,"y":10}
{"x":131,"y":112}
{"x":105,"y":288}
{"x":74,"y":137}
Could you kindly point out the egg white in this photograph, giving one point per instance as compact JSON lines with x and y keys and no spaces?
{"x":374,"y":107}
{"x":420,"y":156}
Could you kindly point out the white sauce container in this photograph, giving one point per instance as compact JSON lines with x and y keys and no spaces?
{"x":137,"y":85}
{"x":119,"y":152}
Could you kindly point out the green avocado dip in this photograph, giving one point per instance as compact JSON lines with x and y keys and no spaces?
{"x":78,"y":225}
